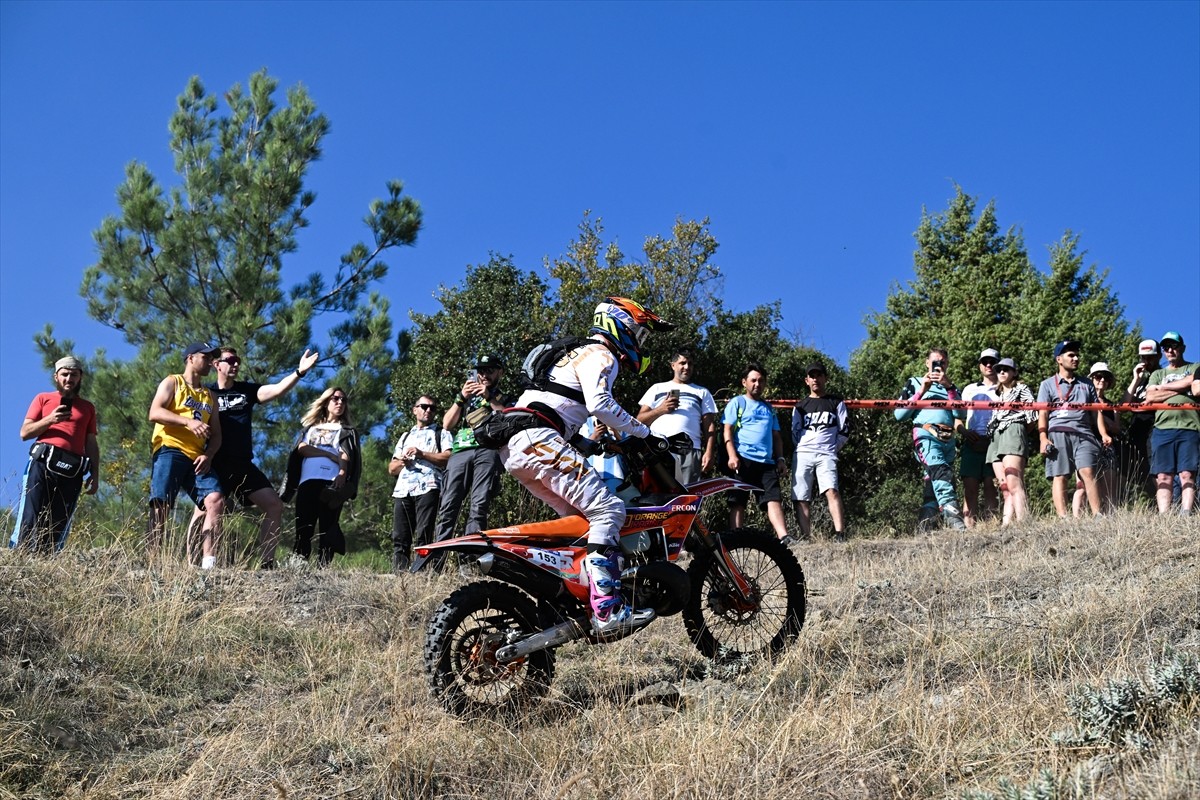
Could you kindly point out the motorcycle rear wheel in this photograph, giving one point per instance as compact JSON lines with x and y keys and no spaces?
{"x":721,"y":624}
{"x":460,"y":651}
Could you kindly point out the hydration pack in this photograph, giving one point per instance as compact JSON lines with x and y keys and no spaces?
{"x":535,"y":370}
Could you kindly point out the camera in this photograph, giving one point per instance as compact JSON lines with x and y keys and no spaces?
{"x":938,"y":365}
{"x":66,"y":401}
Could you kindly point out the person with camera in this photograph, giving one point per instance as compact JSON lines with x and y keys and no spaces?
{"x":472,"y":471}
{"x":65,"y":451}
{"x":1068,"y":437}
{"x":933,"y":439}
{"x":418,"y":463}
{"x":680,"y":406}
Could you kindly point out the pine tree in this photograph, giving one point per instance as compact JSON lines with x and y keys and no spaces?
{"x":204,"y":259}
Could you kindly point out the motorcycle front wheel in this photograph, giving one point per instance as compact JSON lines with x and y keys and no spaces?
{"x":460,"y":651}
{"x":726,"y":626}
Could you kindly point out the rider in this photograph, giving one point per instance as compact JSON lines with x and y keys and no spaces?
{"x":554,"y":471}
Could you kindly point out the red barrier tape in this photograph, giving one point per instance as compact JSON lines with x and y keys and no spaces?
{"x":995,"y":405}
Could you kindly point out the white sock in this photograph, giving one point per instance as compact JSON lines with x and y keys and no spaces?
{"x":208,"y":562}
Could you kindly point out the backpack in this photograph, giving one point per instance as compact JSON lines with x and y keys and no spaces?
{"x":535,"y":370}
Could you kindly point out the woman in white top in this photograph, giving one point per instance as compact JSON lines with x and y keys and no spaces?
{"x":328,"y":448}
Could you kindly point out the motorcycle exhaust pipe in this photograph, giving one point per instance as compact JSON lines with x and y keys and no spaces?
{"x":560,"y":634}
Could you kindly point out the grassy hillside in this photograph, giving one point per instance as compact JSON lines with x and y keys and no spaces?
{"x":929,"y":667}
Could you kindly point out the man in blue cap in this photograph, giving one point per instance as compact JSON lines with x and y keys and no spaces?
{"x":1175,"y":441}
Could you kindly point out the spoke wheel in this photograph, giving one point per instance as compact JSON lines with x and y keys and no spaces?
{"x":725,"y":626}
{"x":460,"y":651}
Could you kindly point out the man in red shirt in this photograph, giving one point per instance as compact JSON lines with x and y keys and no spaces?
{"x":64,"y":425}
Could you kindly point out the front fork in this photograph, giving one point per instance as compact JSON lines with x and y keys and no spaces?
{"x":746,"y":592}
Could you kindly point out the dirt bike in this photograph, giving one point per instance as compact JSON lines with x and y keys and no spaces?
{"x":490,"y":646}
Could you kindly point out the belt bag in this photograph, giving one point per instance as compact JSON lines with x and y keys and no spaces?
{"x":494,"y":431}
{"x":59,"y":461}
{"x":944,"y":433}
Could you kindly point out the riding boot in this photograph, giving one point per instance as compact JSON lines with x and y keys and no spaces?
{"x":610,"y":613}
{"x":953,"y":517}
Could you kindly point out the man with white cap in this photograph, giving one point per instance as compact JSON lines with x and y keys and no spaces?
{"x":972,"y":455}
{"x":1175,"y":442}
{"x":65,"y":451}
{"x":1138,"y":435}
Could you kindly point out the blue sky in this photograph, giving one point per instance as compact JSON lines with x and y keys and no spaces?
{"x":812,"y":135}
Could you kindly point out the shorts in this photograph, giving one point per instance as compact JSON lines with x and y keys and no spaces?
{"x":973,"y":463}
{"x":687,"y":467}
{"x":1075,"y":451}
{"x":171,"y":470}
{"x":1174,"y":450}
{"x":1011,"y":441}
{"x":241,"y":481}
{"x":757,"y":474}
{"x":821,"y":467}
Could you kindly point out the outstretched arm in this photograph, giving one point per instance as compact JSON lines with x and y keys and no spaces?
{"x":270,"y":391}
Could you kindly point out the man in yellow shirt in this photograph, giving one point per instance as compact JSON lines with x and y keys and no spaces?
{"x":187,"y":433}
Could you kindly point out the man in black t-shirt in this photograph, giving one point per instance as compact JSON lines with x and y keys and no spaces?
{"x":234,"y":462}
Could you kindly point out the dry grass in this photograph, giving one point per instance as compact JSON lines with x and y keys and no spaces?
{"x":928,"y":667}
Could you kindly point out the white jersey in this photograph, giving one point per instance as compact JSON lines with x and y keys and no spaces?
{"x":694,"y":403}
{"x":978,"y":418}
{"x":592,"y":369}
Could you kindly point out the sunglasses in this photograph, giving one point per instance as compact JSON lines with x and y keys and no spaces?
{"x":338,"y":398}
{"x":1004,"y":369}
{"x":231,"y":360}
{"x":987,"y":362}
{"x":425,"y":406}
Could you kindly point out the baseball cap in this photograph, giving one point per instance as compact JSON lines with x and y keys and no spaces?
{"x":201,"y":347}
{"x":1007,"y":362}
{"x":815,"y":366}
{"x":1171,"y":336}
{"x":1148,"y":347}
{"x":990,"y":353}
{"x":490,"y":360}
{"x":1065,"y":345}
{"x":1100,"y":366}
{"x":68,"y":362}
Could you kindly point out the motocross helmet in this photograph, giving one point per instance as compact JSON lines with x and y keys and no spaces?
{"x":627,"y":325}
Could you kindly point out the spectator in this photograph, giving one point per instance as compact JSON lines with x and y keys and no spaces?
{"x":933,"y":439}
{"x":1142,"y":422}
{"x":755,"y":451}
{"x":418,"y":462}
{"x":187,"y":434}
{"x":1175,"y":442}
{"x":1067,"y":437}
{"x":680,"y":406}
{"x":1110,"y":450}
{"x":820,"y":429}
{"x":234,"y":464}
{"x":972,"y":460}
{"x":325,"y":468}
{"x":1009,"y":449}
{"x":472,"y":470}
{"x":65,"y":450}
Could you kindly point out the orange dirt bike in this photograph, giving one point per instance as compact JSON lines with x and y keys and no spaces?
{"x":490,"y":645}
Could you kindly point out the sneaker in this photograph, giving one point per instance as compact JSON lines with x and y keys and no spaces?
{"x":789,"y":541}
{"x":954,"y":518}
{"x":610,"y":613}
